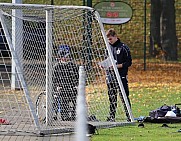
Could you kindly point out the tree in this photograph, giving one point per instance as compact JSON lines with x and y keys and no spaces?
{"x":163,"y":39}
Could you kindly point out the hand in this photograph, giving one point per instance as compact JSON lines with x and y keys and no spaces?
{"x":119,"y":65}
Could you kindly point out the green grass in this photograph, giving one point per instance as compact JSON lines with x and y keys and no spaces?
{"x":146,"y":99}
{"x":151,"y":132}
{"x":143,"y":100}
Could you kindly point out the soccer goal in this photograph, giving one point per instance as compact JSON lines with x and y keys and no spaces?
{"x":31,"y":38}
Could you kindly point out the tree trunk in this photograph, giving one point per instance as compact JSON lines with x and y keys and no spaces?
{"x":163,"y":39}
{"x":155,"y":27}
{"x":168,"y":30}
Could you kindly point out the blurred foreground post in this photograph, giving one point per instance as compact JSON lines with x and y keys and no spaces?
{"x":81,"y":124}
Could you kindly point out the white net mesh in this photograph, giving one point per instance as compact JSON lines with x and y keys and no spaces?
{"x":45,"y":91}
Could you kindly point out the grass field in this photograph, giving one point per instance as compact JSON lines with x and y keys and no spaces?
{"x":150,"y":89}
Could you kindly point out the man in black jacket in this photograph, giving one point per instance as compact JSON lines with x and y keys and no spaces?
{"x":65,"y":83}
{"x":122,"y":56}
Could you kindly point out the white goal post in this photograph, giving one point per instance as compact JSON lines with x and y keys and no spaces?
{"x":40,"y":106}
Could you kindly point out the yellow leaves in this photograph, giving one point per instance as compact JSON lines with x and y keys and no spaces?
{"x":156,"y":46}
{"x":155,"y":74}
{"x":140,"y":95}
{"x":138,"y":110}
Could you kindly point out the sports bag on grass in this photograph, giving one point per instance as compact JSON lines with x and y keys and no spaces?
{"x":162,"y":111}
{"x":160,"y":115}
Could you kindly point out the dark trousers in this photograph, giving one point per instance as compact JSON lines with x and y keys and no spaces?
{"x":66,"y":99}
{"x":113,"y":89}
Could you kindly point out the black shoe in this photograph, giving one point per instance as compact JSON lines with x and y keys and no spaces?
{"x":92,"y":118}
{"x":141,"y":125}
{"x":110,"y":119}
{"x":128,"y":119}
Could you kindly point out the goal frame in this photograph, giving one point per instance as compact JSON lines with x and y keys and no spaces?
{"x":49,"y":46}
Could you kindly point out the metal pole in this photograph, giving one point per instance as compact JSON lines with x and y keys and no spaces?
{"x":145,"y":35}
{"x":17,"y":42}
{"x":83,"y":2}
{"x":52,"y":2}
{"x":49,"y":43}
{"x":89,"y":3}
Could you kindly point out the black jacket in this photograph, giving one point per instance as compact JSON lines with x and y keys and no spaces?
{"x":122,"y":55}
{"x":66,"y":75}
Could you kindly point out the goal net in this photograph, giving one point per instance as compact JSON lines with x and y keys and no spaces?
{"x":38,"y":89}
